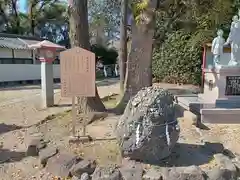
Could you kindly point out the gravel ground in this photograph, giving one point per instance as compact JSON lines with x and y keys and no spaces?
{"x":190,"y":150}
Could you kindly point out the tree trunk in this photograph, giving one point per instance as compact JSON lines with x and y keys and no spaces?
{"x":31,"y":18}
{"x":79,"y":36}
{"x":15,"y":12}
{"x":139,"y":64}
{"x":123,"y":44}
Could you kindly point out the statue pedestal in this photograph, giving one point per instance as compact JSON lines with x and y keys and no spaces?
{"x":222,"y":88}
{"x":220,"y":102}
{"x":222,"y":84}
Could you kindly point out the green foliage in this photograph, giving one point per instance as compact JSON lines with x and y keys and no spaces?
{"x":104,"y":14}
{"x":182,"y":30}
{"x":138,"y":8}
{"x":107,"y":55}
{"x":177,"y":61}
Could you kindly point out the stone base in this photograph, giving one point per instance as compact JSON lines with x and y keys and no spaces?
{"x":220,"y":116}
{"x":228,"y":103}
{"x":222,"y":111}
{"x":216,"y":82}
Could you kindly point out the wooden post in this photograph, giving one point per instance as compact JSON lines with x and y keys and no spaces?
{"x":74,"y":117}
{"x":84,"y":124}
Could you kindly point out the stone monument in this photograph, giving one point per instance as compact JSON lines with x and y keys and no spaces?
{"x":148,"y":129}
{"x":220,"y":100}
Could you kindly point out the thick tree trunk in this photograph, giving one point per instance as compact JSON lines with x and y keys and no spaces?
{"x":139,"y":64}
{"x":79,"y":36}
{"x":123,"y":44}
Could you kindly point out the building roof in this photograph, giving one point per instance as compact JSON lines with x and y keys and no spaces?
{"x":13,"y":41}
{"x":46,"y":44}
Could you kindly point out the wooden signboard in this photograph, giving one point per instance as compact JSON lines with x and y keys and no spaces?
{"x":77,"y":73}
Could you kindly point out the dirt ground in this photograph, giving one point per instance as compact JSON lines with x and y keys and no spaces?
{"x":193,"y":148}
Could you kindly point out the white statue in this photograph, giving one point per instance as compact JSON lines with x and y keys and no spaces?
{"x":234,"y":22}
{"x":217,"y":48}
{"x":234,"y":40}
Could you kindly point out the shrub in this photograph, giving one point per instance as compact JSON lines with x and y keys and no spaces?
{"x":177,"y":61}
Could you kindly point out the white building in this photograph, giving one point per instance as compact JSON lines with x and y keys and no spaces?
{"x":18,"y":63}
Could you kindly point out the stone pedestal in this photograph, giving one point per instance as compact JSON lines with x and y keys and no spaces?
{"x":222,"y":84}
{"x":222,"y":88}
{"x":220,"y":101}
{"x":47,"y":84}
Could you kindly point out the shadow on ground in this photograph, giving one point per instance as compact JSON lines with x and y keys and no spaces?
{"x":63,"y":105}
{"x":4,"y":128}
{"x":7,"y":156}
{"x":26,"y":87}
{"x":192,"y":154}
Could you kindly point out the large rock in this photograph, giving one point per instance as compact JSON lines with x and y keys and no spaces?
{"x":148,"y":129}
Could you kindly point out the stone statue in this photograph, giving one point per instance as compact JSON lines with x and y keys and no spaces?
{"x":234,"y":41}
{"x":234,"y":22}
{"x":217,"y":48}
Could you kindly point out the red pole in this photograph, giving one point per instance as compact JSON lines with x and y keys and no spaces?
{"x":203,"y":64}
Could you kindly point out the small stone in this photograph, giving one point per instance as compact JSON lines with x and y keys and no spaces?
{"x":42,"y":145}
{"x":75,"y":178}
{"x":183,"y":173}
{"x":224,"y":162}
{"x":152,"y":174}
{"x":131,"y":170}
{"x":34,"y":146}
{"x":85,"y":176}
{"x":84,"y":166}
{"x":220,"y":174}
{"x":236,"y":162}
{"x":61,"y":164}
{"x":37,"y":135}
{"x":107,"y":173}
{"x":47,"y":153}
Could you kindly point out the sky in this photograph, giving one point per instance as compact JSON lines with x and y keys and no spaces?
{"x":22,"y":5}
